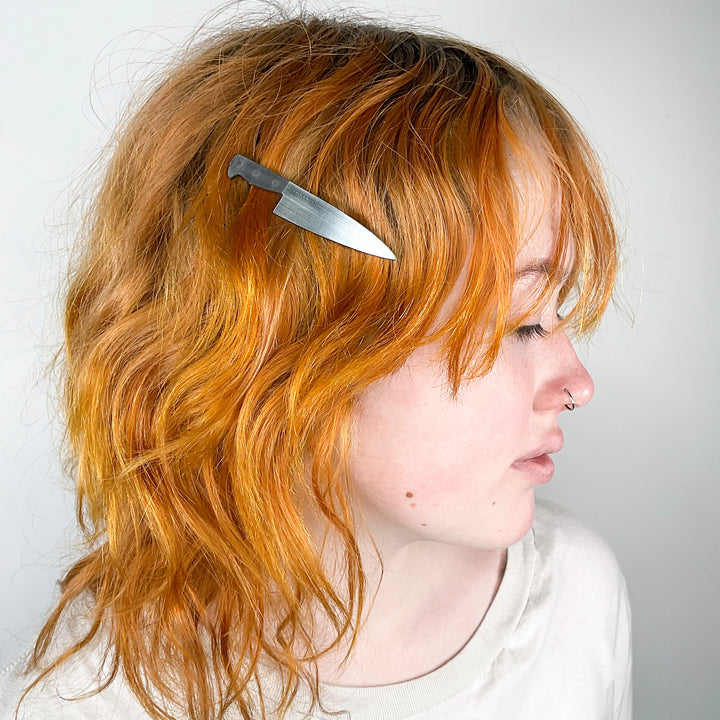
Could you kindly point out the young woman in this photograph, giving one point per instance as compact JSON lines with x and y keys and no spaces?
{"x":306,"y":456}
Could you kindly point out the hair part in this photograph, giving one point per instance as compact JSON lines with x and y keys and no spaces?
{"x":212,"y":347}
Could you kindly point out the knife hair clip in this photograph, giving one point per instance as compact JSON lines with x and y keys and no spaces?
{"x":308,"y":211}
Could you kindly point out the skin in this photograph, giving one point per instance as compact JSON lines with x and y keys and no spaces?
{"x":446,"y":485}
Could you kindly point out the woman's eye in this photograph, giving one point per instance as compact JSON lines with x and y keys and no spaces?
{"x":528,"y":332}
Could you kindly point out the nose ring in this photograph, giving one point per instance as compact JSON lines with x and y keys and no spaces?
{"x":571,"y":404}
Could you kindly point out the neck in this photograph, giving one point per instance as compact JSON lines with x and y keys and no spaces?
{"x":425,"y":600}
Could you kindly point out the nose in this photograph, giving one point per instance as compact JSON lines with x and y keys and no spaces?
{"x":566,"y":382}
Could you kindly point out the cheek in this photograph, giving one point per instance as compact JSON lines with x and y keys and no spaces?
{"x":404,"y":456}
{"x":480,"y":507}
{"x":408,"y":438}
{"x":411,"y":431}
{"x":418,"y":470}
{"x":424,"y":461}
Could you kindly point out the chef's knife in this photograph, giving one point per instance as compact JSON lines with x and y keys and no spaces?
{"x":309,"y":211}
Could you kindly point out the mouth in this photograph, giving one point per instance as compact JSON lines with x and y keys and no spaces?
{"x":538,"y":464}
{"x":539,"y":469}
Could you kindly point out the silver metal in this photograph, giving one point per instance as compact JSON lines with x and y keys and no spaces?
{"x":571,"y":404}
{"x":310,"y":212}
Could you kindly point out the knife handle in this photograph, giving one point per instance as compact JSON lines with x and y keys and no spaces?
{"x":256,"y":174}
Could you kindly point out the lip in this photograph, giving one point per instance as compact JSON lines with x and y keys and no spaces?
{"x":539,"y":469}
{"x":538,"y":464}
{"x":552,"y":445}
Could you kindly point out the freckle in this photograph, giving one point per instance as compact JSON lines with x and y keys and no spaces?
{"x":413,"y":504}
{"x":493,"y":502}
{"x":424,"y":524}
{"x":408,"y":494}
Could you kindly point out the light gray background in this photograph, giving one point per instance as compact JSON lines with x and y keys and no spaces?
{"x":640,"y":462}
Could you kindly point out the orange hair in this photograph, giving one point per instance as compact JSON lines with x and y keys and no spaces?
{"x":214,"y":351}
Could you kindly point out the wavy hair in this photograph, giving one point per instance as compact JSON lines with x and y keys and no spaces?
{"x":214,"y":351}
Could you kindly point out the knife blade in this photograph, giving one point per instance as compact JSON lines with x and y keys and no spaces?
{"x":310,"y":212}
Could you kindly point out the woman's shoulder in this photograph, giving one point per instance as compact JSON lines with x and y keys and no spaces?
{"x":69,"y":692}
{"x":10,"y":686}
{"x":578,"y":587}
{"x":580,"y":607}
{"x":565,"y":545}
{"x":63,"y":695}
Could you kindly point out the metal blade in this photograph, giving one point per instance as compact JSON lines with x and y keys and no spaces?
{"x":312,"y":213}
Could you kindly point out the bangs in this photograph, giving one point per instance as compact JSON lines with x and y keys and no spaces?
{"x":535,"y":139}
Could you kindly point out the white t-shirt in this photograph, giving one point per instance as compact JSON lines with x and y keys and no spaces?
{"x":554,"y":644}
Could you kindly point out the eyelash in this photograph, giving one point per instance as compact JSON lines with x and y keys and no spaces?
{"x":530,"y":332}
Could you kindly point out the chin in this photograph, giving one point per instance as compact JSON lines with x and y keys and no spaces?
{"x":507,"y":527}
{"x":517,"y":522}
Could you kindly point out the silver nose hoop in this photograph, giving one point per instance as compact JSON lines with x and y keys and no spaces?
{"x":571,"y":405}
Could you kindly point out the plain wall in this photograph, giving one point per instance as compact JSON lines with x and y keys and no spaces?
{"x":639,"y":463}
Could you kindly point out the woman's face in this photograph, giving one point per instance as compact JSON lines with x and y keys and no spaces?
{"x":463,"y":471}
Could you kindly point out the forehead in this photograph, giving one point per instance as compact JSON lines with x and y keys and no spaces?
{"x":539,"y":206}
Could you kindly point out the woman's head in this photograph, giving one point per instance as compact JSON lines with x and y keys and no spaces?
{"x":461,"y":468}
{"x":216,"y":352}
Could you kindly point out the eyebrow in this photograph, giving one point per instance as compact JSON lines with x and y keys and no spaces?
{"x":540,"y":267}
